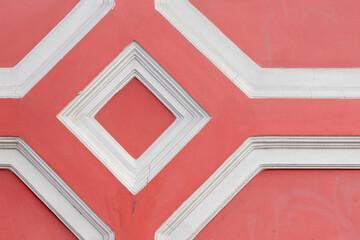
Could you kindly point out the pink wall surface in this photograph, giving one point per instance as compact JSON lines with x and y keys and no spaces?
{"x":292,"y":204}
{"x":277,"y":204}
{"x":23,"y":24}
{"x":23,"y":215}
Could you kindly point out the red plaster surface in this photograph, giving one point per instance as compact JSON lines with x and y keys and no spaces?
{"x":23,"y":23}
{"x":23,"y":215}
{"x":290,"y":33}
{"x":312,"y":204}
{"x":235,"y":117}
{"x":135,"y":118}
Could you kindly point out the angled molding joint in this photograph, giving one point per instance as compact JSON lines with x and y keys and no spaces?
{"x":254,"y":155}
{"x":79,"y":117}
{"x":253,"y":80}
{"x":17,"y":81}
{"x":18,"y":157}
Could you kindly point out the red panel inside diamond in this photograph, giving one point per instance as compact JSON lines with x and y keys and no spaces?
{"x":135,"y":118}
{"x":292,"y":204}
{"x":23,"y":215}
{"x":297,"y":33}
{"x":25,"y":24}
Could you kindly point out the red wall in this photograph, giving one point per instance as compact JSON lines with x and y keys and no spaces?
{"x":23,"y":215}
{"x":273,"y":33}
{"x":292,"y":204}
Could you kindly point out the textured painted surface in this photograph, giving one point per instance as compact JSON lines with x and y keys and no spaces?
{"x":292,"y":204}
{"x":23,"y":24}
{"x":234,"y":116}
{"x":135,"y":118}
{"x":23,"y":215}
{"x":283,"y":33}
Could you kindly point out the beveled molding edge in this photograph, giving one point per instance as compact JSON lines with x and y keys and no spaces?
{"x":254,"y":155}
{"x":79,"y":117}
{"x":17,"y":81}
{"x":18,"y":157}
{"x":253,"y":80}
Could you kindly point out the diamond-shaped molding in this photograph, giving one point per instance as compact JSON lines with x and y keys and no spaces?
{"x":18,"y":157}
{"x":253,"y":80}
{"x":15,"y":82}
{"x":79,"y":117}
{"x":254,"y":155}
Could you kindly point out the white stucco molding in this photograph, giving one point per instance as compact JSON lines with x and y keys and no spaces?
{"x":253,"y":156}
{"x":15,"y":82}
{"x":79,"y":117}
{"x":17,"y":156}
{"x":253,"y":80}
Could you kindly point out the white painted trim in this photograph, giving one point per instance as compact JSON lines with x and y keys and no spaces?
{"x":79,"y":117}
{"x":253,"y":156}
{"x":253,"y":80}
{"x":17,"y":81}
{"x":17,"y":156}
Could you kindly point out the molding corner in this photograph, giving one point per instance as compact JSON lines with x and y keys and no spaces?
{"x":253,"y":80}
{"x":253,"y":156}
{"x":16,"y":82}
{"x":18,"y":157}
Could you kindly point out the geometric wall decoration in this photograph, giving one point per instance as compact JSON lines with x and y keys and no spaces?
{"x":253,"y":80}
{"x":79,"y":117}
{"x":18,"y":157}
{"x":15,"y":82}
{"x":254,"y":155}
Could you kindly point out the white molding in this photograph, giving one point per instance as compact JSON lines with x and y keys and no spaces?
{"x":17,"y":81}
{"x":253,"y":80}
{"x":79,"y":117}
{"x":17,"y":156}
{"x":253,"y":156}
